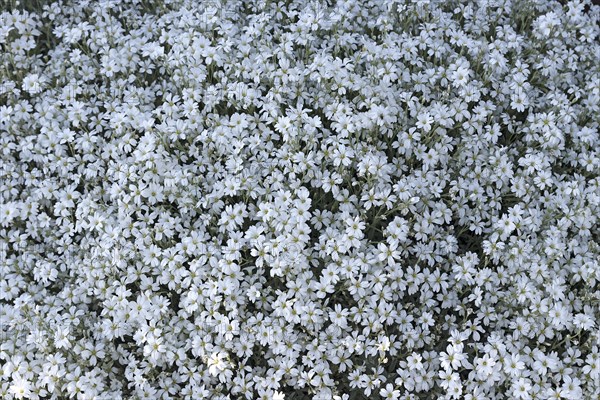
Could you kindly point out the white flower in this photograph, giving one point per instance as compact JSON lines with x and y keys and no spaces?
{"x":547,"y":22}
{"x":513,"y":365}
{"x":216,"y":363}
{"x":34,"y":83}
{"x":414,"y":361}
{"x":21,"y":388}
{"x":453,"y":358}
{"x":461,"y":76}
{"x":583,"y":321}
{"x":389,"y":392}
{"x":62,"y":337}
{"x":522,"y":388}
{"x":424,"y":121}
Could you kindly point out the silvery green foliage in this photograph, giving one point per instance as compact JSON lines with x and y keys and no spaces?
{"x":290,"y":200}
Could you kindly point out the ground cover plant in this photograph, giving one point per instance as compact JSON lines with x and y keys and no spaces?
{"x":380,"y":199}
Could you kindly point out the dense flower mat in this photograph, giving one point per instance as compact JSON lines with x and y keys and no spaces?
{"x":292,"y":200}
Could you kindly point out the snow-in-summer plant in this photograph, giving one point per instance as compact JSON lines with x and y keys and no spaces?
{"x":261,"y":199}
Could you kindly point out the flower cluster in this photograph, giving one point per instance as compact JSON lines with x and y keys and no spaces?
{"x":238,"y":199}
